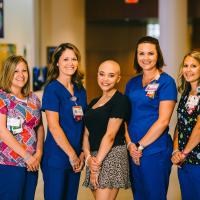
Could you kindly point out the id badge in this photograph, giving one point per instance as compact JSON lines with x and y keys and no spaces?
{"x":151,"y":90}
{"x":152,"y":87}
{"x":14,"y":125}
{"x":77,"y":112}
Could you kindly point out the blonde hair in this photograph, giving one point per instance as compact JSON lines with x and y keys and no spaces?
{"x":183,"y":85}
{"x":7,"y":74}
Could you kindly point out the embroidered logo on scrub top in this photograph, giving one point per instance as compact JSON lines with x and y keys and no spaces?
{"x":77,"y":110}
{"x":152,"y":87}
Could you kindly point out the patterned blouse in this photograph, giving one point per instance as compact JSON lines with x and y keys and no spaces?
{"x":23,"y":118}
{"x":187,"y":118}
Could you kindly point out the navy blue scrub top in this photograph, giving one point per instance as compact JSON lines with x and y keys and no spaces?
{"x":58,"y":99}
{"x":145,"y":110}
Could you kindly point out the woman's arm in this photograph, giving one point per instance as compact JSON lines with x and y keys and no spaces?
{"x":194,"y":139}
{"x":165,"y":112}
{"x":7,"y":137}
{"x":60,"y":137}
{"x":108,"y":139}
{"x":176,"y":155}
{"x":133,"y":150}
{"x":86,"y":144}
{"x":40,"y":142}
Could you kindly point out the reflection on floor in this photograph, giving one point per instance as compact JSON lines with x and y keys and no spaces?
{"x":85,"y":194}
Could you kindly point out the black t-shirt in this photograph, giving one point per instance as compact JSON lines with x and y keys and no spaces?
{"x":96,"y":120}
{"x":185,"y":125}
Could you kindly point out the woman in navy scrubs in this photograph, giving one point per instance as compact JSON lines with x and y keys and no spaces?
{"x":63,"y":101}
{"x":153,"y":96}
{"x":186,"y":152}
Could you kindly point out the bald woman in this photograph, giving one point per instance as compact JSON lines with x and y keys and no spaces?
{"x":107,"y":168}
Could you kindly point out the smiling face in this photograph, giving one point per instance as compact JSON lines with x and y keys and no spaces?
{"x":67,"y":63}
{"x":20,"y":77}
{"x":108,"y":75}
{"x":191,"y":69}
{"x":147,"y":56}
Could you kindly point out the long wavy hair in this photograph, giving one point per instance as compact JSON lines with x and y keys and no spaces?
{"x":7,"y":74}
{"x":53,"y":70}
{"x":151,"y":40}
{"x":183,"y":85}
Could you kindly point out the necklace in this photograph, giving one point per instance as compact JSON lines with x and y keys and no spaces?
{"x":156,"y":76}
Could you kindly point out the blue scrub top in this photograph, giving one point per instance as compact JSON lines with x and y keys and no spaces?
{"x":145,"y":110}
{"x":58,"y":99}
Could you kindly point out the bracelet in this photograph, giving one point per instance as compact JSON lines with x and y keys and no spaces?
{"x":27,"y":156}
{"x":87,"y":158}
{"x":129,"y":143}
{"x":176,"y":150}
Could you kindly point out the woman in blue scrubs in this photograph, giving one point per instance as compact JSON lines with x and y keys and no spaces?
{"x":186,"y":152}
{"x":63,"y":101}
{"x":153,"y":96}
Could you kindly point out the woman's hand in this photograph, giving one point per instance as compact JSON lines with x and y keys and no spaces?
{"x":134,"y":153}
{"x":82,"y":162}
{"x":74,"y":161}
{"x":93,"y":164}
{"x":94,"y":179}
{"x":178,"y":158}
{"x":32,"y":163}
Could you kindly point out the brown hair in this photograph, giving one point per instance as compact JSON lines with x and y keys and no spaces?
{"x":53,"y":70}
{"x":147,"y":39}
{"x":7,"y":74}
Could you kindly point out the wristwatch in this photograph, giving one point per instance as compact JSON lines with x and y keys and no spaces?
{"x":139,"y":146}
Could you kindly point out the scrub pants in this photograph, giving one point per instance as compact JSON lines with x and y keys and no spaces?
{"x":150,"y":180}
{"x":189,"y":179}
{"x":16,"y":183}
{"x":60,"y":184}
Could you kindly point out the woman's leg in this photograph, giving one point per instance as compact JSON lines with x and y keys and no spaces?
{"x":72,"y":185}
{"x":189,"y":180}
{"x":54,"y":183}
{"x":12,"y":182}
{"x":106,"y":194}
{"x":151,"y":178}
{"x":30,"y":185}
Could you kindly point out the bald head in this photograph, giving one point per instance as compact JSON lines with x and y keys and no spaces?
{"x":111,"y":66}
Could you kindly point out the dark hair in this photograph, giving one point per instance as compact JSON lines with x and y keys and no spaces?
{"x":7,"y":74}
{"x":53,"y":70}
{"x":148,"y":39}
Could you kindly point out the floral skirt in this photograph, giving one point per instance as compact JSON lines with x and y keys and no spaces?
{"x":114,"y":172}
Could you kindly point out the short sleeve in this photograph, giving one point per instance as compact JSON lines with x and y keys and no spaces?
{"x":3,"y":105}
{"x":36,"y":100}
{"x":50,"y":100}
{"x":168,"y":90}
{"x":120,"y":107}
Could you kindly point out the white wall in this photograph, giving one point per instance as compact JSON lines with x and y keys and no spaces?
{"x":19,"y":27}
